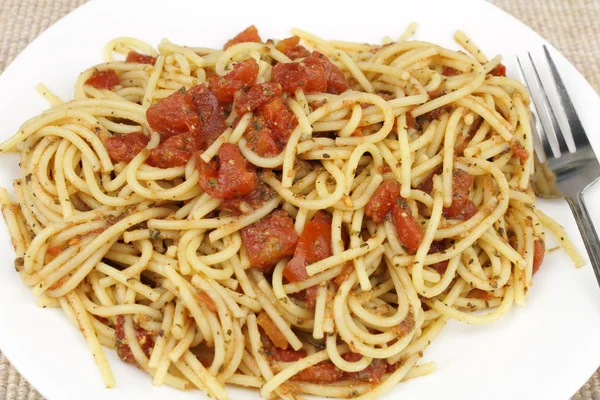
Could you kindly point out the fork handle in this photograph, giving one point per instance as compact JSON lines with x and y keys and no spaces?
{"x":588,"y":233}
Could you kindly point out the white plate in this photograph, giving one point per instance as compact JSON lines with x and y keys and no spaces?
{"x":544,"y":351}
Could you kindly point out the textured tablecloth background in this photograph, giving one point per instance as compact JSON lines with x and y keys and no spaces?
{"x":573,"y":26}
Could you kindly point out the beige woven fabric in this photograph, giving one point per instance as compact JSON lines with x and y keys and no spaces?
{"x":573,"y":26}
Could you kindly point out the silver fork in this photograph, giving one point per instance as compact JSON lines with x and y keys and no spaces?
{"x":565,"y":174}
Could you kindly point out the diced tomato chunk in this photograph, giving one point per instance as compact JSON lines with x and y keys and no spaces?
{"x":197,"y":111}
{"x":270,"y":239}
{"x":285,"y":355}
{"x":210,"y":113}
{"x":308,"y":75}
{"x":408,"y":229}
{"x":314,"y":245}
{"x":314,"y":74}
{"x":336,"y":81}
{"x":345,"y":274}
{"x":539,"y":250}
{"x":123,"y":350}
{"x":520,"y":151}
{"x":279,"y":119}
{"x":383,"y":201}
{"x":271,"y":330}
{"x":245,"y":71}
{"x":125,"y":147}
{"x":135,"y":57}
{"x":261,"y":139}
{"x":249,"y":202}
{"x":436,"y":247}
{"x":175,"y":151}
{"x":172,"y":115}
{"x":256,"y":96}
{"x":500,"y":70}
{"x":462,"y":207}
{"x":243,"y":74}
{"x":323,"y":372}
{"x":103,"y":79}
{"x":228,"y":176}
{"x":291,"y":48}
{"x":250,"y":34}
{"x":372,"y":374}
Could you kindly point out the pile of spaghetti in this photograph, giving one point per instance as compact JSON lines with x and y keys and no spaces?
{"x":299,"y":216}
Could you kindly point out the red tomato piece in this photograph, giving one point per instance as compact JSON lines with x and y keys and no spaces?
{"x":261,"y":139}
{"x":279,"y":119}
{"x":243,"y":74}
{"x":539,"y":250}
{"x":271,"y":330}
{"x":250,"y":202}
{"x":135,"y":57}
{"x":210,"y":113}
{"x":256,"y":96}
{"x":345,"y":274}
{"x":229,"y":176}
{"x":284,"y":355}
{"x":308,"y":75}
{"x":462,"y":209}
{"x":172,"y":115}
{"x":372,"y":374}
{"x":336,"y":81}
{"x":175,"y":151}
{"x":314,"y":245}
{"x":250,"y":34}
{"x":449,"y":71}
{"x":103,"y":79}
{"x":125,"y":147}
{"x":436,"y":247}
{"x":144,"y":339}
{"x":383,"y":201}
{"x":291,"y":48}
{"x":270,"y":239}
{"x":408,"y":229}
{"x":500,"y":70}
{"x":197,"y":111}
{"x":323,"y":372}
{"x":520,"y":151}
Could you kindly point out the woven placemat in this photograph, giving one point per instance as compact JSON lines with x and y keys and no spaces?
{"x":570,"y":25}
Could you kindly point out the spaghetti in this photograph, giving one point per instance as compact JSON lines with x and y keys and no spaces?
{"x":298,"y":218}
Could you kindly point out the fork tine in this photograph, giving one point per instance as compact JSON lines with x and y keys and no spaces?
{"x":579,"y":136}
{"x":541,"y":133}
{"x":556,"y":131}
